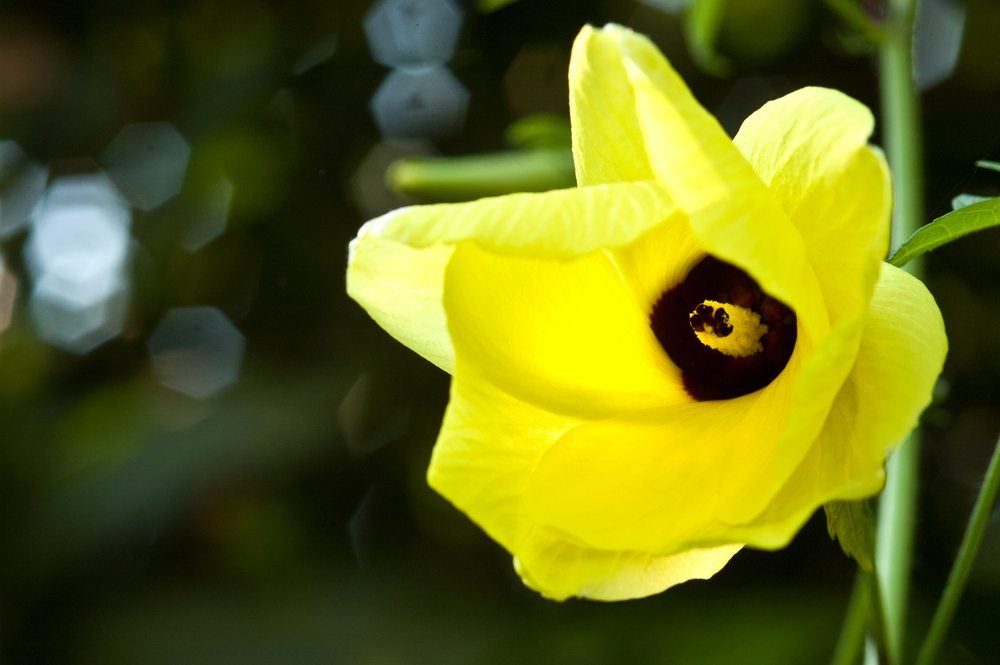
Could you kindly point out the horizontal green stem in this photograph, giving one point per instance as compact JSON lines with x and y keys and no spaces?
{"x":476,"y":176}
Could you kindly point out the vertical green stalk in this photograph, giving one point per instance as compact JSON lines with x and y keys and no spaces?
{"x":894,"y":542}
{"x":852,"y":634}
{"x":901,"y":129}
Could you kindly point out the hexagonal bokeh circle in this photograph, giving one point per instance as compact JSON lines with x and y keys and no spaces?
{"x":413,"y":32}
{"x":78,"y":254}
{"x":420,"y":102}
{"x":79,"y":316}
{"x":81,"y":229}
{"x":196,"y":351}
{"x":147,"y":161}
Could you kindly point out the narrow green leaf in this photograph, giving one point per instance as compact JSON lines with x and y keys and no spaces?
{"x":986,"y":164}
{"x":850,"y":522}
{"x":947,"y":228}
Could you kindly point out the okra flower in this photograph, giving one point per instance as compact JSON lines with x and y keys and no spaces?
{"x":686,"y":354}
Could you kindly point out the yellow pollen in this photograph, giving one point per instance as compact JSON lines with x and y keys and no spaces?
{"x":735,"y":331}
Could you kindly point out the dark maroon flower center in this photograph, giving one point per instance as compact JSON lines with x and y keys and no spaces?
{"x":706,"y":303}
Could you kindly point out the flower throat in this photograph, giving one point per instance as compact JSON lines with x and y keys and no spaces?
{"x":727,"y":335}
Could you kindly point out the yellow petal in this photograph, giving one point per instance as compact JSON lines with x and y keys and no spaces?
{"x":608,"y":144}
{"x":566,"y":335}
{"x":656,"y":484}
{"x":731,"y":213}
{"x":397,"y":262}
{"x":688,"y":150}
{"x":658,"y":260}
{"x":901,"y":354}
{"x":488,"y":446}
{"x":559,"y":569}
{"x":810,"y":148}
{"x":400,"y":288}
{"x":558,"y":224}
{"x":687,"y":476}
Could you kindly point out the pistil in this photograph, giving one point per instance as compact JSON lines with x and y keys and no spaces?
{"x":730,"y":329}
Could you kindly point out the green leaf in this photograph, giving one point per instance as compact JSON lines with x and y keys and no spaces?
{"x":850,"y":522}
{"x":986,"y":164}
{"x":947,"y":228}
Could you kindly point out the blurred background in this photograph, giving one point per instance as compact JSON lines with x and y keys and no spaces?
{"x":209,"y":454}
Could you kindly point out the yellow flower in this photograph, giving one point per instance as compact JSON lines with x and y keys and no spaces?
{"x":686,"y":354}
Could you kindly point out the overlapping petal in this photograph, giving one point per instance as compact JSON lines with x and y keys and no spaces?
{"x":400,"y":287}
{"x":489,"y":444}
{"x":608,"y":143}
{"x":658,"y":260}
{"x":566,"y":335}
{"x":731,"y":213}
{"x":655,"y":484}
{"x":810,"y":148}
{"x":558,"y":568}
{"x":901,"y":355}
{"x":397,"y":262}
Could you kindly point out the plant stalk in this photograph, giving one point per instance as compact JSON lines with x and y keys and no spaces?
{"x":901,"y":131}
{"x":475,"y":176}
{"x":852,"y":634}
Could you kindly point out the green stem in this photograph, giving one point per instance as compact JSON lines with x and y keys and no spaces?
{"x":962,"y":567}
{"x":852,"y":634}
{"x":894,"y":542}
{"x":901,"y":122}
{"x":475,"y":176}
